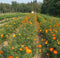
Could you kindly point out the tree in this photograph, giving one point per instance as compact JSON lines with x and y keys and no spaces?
{"x":50,"y":7}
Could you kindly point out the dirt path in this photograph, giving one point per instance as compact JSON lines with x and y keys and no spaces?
{"x":6,"y":22}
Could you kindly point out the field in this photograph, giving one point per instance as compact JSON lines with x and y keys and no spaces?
{"x":26,"y":35}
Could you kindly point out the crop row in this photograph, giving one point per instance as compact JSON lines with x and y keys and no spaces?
{"x":50,"y":31}
{"x":24,"y":40}
{"x":11,"y":15}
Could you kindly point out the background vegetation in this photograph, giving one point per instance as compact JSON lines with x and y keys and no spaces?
{"x":47,"y":7}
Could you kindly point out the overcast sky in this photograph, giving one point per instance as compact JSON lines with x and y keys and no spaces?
{"x":20,"y":1}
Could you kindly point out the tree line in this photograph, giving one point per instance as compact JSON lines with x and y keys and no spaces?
{"x":20,"y":7}
{"x":51,"y":7}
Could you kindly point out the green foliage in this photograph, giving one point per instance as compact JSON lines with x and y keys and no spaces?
{"x":51,"y":7}
{"x":20,"y":7}
{"x":51,"y":24}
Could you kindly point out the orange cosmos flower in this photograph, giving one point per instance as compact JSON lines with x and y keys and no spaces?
{"x":26,"y":47}
{"x":16,"y":56}
{"x":1,"y":52}
{"x":43,"y":39}
{"x":47,"y":54}
{"x":46,"y":31}
{"x":2,"y":35}
{"x":10,"y":56}
{"x":58,"y":43}
{"x":46,"y":42}
{"x":13,"y":18}
{"x":6,"y":25}
{"x":53,"y":35}
{"x":54,"y":38}
{"x":40,"y":46}
{"x":37,"y":30}
{"x":37,"y":46}
{"x":28,"y":51}
{"x":12,"y":47}
{"x":20,"y":49}
{"x":55,"y":52}
{"x":51,"y":49}
{"x":40,"y":50}
{"x":37,"y":42}
{"x":50,"y":29}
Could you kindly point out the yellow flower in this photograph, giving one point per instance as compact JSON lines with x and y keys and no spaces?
{"x":22,"y":45}
{"x":40,"y":30}
{"x":14,"y":22}
{"x":57,"y":40}
{"x":34,"y":39}
{"x":46,"y":42}
{"x":6,"y":36}
{"x":51,"y":32}
{"x":16,"y":56}
{"x":56,"y":31}
{"x":19,"y":34}
{"x":13,"y":48}
{"x":46,"y":31}
{"x":27,"y":37}
{"x":20,"y":49}
{"x":9,"y":41}
{"x":13,"y":35}
{"x":30,"y":22}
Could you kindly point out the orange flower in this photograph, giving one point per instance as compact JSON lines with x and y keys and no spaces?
{"x":16,"y":56}
{"x":10,"y":56}
{"x":1,"y":52}
{"x":37,"y":30}
{"x":20,"y":49}
{"x":40,"y":50}
{"x":12,"y":47}
{"x":28,"y":51}
{"x":13,"y":18}
{"x":58,"y":43}
{"x":37,"y":46}
{"x":46,"y":42}
{"x":37,"y":42}
{"x":2,"y":35}
{"x":53,"y":35}
{"x":34,"y":39}
{"x":46,"y":31}
{"x":54,"y":38}
{"x":40,"y":46}
{"x":50,"y":29}
{"x":41,"y":34}
{"x":47,"y":54}
{"x":43,"y":39}
{"x":51,"y":32}
{"x":26,"y":48}
{"x":51,"y":49}
{"x":55,"y":52}
{"x":6,"y":25}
